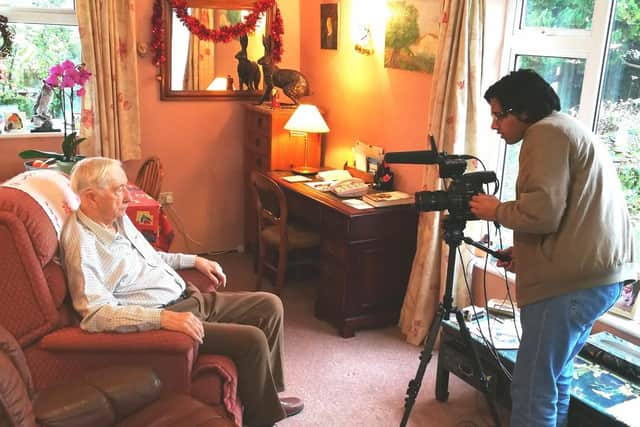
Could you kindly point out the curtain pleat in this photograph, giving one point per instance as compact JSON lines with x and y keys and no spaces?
{"x":199,"y":69}
{"x":110,"y":117}
{"x":453,"y":122}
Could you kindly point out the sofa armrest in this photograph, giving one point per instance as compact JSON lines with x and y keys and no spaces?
{"x":227,"y":370}
{"x":101,"y":398}
{"x":198,"y":279}
{"x":162,"y":341}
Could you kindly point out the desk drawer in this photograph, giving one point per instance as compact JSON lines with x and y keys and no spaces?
{"x":258,"y":122}
{"x":257,"y":161}
{"x":258,"y":142}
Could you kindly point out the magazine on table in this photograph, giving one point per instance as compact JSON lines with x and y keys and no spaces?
{"x":505,"y":332}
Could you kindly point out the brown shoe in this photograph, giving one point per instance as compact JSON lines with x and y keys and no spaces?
{"x":291,"y":405}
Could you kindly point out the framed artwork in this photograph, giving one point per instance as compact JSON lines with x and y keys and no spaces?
{"x":411,"y":37}
{"x":329,"y":26}
{"x":628,"y":304}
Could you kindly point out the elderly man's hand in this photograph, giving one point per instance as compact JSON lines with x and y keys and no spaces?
{"x":484,"y":206}
{"x":212,"y":270}
{"x":185,"y":322}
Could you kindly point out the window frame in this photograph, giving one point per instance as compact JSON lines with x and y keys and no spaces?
{"x":40,"y":15}
{"x":61,"y":16}
{"x":590,"y":45}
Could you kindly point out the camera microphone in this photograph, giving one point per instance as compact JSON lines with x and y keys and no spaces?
{"x":427,"y":157}
{"x":413,"y":157}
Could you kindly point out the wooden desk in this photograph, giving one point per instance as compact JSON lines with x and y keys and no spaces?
{"x":366,"y":256}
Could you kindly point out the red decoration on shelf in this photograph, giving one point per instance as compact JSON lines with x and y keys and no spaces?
{"x":223,"y":34}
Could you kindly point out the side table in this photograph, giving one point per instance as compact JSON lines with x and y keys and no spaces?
{"x":599,"y":397}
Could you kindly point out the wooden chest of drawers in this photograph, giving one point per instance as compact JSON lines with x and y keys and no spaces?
{"x":268,"y":146}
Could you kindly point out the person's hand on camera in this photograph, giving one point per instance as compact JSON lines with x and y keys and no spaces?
{"x":212,"y":270}
{"x":484,"y":206}
{"x":186,"y":322}
{"x":507,"y":265}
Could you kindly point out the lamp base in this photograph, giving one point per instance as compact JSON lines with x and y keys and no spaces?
{"x":305,"y":170}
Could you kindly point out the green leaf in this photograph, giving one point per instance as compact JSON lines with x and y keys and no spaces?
{"x":37,"y":154}
{"x":69,"y":146}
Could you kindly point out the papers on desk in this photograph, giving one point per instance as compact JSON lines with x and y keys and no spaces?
{"x":365,"y":154}
{"x":334,"y":175}
{"x":296,"y":178}
{"x":356,"y":203}
{"x":323,"y":186}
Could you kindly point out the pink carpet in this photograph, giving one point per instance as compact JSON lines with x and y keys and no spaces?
{"x":360,"y":381}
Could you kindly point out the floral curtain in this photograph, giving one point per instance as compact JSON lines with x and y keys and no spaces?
{"x":110,"y":117}
{"x":199,"y":70}
{"x":453,"y":122}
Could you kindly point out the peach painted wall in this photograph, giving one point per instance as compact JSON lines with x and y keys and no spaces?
{"x":200,"y":145}
{"x":363,"y":99}
{"x":200,"y":142}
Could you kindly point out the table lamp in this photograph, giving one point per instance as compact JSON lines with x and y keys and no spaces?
{"x":306,"y":119}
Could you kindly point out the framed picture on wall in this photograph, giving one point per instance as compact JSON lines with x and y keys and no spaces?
{"x":628,"y":304}
{"x":411,"y":35}
{"x":329,"y":26}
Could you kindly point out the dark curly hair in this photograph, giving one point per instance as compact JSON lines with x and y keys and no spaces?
{"x":526,"y":94}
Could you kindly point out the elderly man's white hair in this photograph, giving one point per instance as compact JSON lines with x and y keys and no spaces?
{"x":93,"y":173}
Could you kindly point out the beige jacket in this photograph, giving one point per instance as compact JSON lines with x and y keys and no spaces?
{"x":570,"y":220}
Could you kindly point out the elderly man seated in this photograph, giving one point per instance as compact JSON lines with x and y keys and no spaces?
{"x":119,"y":283}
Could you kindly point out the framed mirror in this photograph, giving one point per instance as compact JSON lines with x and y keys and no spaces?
{"x":201,"y":69}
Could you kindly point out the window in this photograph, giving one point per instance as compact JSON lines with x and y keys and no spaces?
{"x":589,"y":51}
{"x":46,"y":33}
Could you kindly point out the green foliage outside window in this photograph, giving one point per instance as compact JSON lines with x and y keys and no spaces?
{"x":37,"y":48}
{"x":618,"y":123}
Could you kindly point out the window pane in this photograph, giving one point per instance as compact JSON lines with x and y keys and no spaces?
{"x":53,"y":4}
{"x":36,"y":49}
{"x":569,"y":14}
{"x":619,"y":106}
{"x":565,"y":75}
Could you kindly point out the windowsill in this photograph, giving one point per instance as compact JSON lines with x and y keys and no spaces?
{"x":625,"y":328}
{"x":24,"y":134}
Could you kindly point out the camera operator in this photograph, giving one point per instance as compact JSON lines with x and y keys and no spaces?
{"x":572,"y":240}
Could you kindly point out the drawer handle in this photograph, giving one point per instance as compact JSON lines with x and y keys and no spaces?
{"x":259,"y":163}
{"x":257,"y":142}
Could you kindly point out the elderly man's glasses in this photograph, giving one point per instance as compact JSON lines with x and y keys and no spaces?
{"x":499,"y":115}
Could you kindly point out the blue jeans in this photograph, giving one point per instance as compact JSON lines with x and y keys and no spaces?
{"x":553,"y":332}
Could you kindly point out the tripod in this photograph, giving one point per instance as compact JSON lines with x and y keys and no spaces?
{"x":453,"y":237}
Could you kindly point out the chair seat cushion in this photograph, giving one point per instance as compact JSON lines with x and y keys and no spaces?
{"x":298,"y":237}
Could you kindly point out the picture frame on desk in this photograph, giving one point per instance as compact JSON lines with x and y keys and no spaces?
{"x":628,"y":305}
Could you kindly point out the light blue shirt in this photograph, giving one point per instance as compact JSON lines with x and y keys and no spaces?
{"x":118,"y":281}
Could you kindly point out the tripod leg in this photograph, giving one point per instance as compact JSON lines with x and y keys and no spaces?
{"x":425,"y":357}
{"x":464,"y":331}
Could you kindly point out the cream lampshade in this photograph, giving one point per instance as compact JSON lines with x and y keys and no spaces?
{"x":305,"y":120}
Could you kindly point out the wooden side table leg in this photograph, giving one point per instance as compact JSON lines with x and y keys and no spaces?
{"x":442,"y":381}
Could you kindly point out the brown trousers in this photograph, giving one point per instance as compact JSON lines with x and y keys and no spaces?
{"x":247,"y":327}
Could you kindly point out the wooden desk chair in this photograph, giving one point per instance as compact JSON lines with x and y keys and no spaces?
{"x":277,"y":234}
{"x":149,"y":177}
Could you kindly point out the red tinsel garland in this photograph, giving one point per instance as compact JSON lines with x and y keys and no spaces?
{"x":223,"y":34}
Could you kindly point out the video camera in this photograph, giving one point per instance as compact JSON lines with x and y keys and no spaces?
{"x":462,"y":186}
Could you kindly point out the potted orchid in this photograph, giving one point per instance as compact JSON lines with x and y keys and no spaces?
{"x":68,"y":80}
